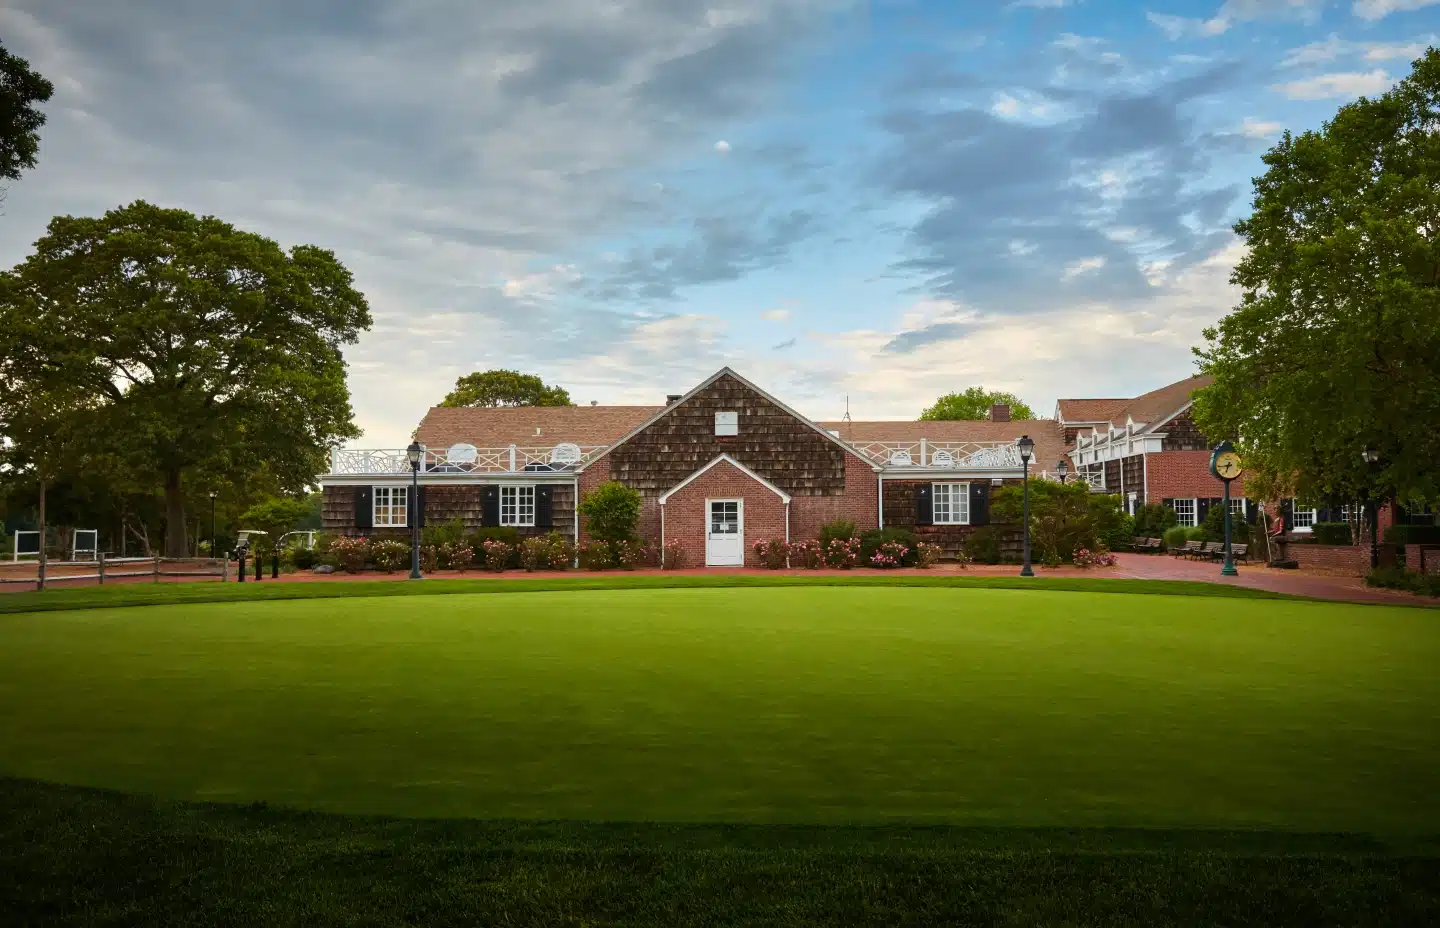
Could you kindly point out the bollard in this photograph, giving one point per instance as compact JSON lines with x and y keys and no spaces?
{"x":240,"y":560}
{"x":259,"y":567}
{"x":274,"y":567}
{"x":225,"y":568}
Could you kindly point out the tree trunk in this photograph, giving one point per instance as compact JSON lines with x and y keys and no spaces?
{"x":41,"y":574}
{"x":175,"y":545}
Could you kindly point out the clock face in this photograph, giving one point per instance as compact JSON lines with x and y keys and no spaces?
{"x":1227,"y":465}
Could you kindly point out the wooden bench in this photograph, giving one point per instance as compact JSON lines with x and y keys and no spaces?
{"x":1146,"y":544}
{"x":1212,"y":550}
{"x":1239,"y":552}
{"x":1190,"y":549}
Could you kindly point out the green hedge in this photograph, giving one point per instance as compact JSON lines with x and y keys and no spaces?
{"x":1176,"y":536}
{"x":1332,"y":533}
{"x":874,"y":538}
{"x":1413,"y":535}
{"x":1398,"y":578}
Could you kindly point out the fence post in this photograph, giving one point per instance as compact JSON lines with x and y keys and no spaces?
{"x":259,"y":567}
{"x":101,"y":557}
{"x":225,"y":568}
{"x":156,"y":572}
{"x":512,"y":458}
{"x":40,"y":567}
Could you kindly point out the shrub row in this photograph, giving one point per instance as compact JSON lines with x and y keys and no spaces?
{"x":1398,"y":578}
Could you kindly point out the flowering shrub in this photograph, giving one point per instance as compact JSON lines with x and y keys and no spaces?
{"x":389,"y":554}
{"x":350,"y":554}
{"x":497,"y":554}
{"x":773,"y":553}
{"x":1086,"y":558}
{"x":461,"y":557}
{"x":842,"y":553}
{"x":551,"y":551}
{"x":629,"y":554}
{"x":596,"y":555}
{"x":889,"y":555}
{"x":675,"y":557}
{"x":926,"y":554}
{"x":429,"y":558}
{"x":807,"y":554}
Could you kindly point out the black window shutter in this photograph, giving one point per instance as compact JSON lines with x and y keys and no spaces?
{"x":1202,"y":506}
{"x":490,"y":505}
{"x":544,"y":507}
{"x":364,"y":508}
{"x":1287,"y":514}
{"x":924,"y":505}
{"x":1323,"y":515}
{"x":1168,"y":502}
{"x":979,"y":504}
{"x":420,"y":507}
{"x":1252,"y":512}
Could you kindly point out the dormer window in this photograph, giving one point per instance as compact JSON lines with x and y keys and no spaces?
{"x":727,"y":423}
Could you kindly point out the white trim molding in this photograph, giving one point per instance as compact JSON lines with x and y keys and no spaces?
{"x":785,"y":497}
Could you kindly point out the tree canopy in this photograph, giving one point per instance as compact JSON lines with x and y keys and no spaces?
{"x":204,"y":353}
{"x":975,"y":403}
{"x":504,"y":388}
{"x":1335,"y":346}
{"x":20,"y":90}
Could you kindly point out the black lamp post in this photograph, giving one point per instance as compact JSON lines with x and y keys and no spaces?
{"x":1371,"y":457}
{"x":213,"y":495}
{"x":1027,"y":448}
{"x":1062,"y":469}
{"x":415,"y":452}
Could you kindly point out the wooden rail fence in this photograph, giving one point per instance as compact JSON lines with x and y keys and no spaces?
{"x":105,"y":568}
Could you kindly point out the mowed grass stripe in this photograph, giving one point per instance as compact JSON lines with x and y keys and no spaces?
{"x":801,"y":705}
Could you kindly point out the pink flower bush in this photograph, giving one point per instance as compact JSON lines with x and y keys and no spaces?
{"x":389,"y":554}
{"x":926,"y":554}
{"x":628,"y":554}
{"x":889,"y":555}
{"x":843,"y":553}
{"x":674,"y":556}
{"x":462,"y":557}
{"x":807,"y":554}
{"x":350,"y":553}
{"x":497,"y":554}
{"x":1085,"y":558}
{"x":772,"y":554}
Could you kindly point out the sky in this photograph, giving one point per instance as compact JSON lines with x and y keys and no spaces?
{"x":879,"y":200}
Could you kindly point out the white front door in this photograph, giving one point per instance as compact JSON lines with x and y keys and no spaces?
{"x":724,"y":533}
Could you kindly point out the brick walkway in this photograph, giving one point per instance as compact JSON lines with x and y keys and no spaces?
{"x":1260,"y":577}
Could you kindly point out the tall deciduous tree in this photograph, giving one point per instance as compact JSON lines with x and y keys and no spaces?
{"x":1335,"y":345}
{"x":210,"y":350}
{"x":504,"y":388}
{"x":20,"y":90}
{"x":975,"y":403}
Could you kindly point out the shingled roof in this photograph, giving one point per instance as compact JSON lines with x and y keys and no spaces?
{"x":530,"y":426}
{"x":1156,"y":406}
{"x":1090,"y":410}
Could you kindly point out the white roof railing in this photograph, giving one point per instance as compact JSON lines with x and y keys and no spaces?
{"x":460,"y":459}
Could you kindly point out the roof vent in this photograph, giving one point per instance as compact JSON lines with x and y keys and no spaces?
{"x":672,"y":398}
{"x":1000,"y":412}
{"x":594,"y":402}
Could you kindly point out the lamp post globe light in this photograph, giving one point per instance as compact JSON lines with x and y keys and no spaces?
{"x":1371,"y":457}
{"x":415,"y":452}
{"x":1063,"y":469}
{"x":1027,"y":448}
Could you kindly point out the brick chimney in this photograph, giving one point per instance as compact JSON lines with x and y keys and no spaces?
{"x":1000,"y":412}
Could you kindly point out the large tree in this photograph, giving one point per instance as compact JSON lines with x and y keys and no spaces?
{"x":976,"y":403}
{"x":20,"y":90}
{"x":504,"y":388}
{"x":213,"y":353}
{"x":1335,"y":345}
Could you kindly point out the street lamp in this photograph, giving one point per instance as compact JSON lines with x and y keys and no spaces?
{"x":1371,"y":457}
{"x":415,"y":452}
{"x":213,"y":495}
{"x":1027,"y":448}
{"x":1062,"y":469}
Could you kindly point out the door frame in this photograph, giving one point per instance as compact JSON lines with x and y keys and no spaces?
{"x":739,"y":502}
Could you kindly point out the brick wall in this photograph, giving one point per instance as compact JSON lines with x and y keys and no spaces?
{"x":686,"y":517}
{"x":1350,"y":558}
{"x":858,"y":503}
{"x":1184,"y":474}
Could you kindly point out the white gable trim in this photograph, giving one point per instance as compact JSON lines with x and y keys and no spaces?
{"x":707,"y":382}
{"x":784,"y":497}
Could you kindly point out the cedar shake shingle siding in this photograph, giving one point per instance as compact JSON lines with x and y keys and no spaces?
{"x":1182,"y":434}
{"x":772,"y":442}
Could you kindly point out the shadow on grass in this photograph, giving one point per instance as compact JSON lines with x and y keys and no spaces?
{"x":75,"y":856}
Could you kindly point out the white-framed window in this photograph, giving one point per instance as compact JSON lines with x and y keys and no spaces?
{"x":517,"y":505}
{"x":1237,"y":508}
{"x":1301,"y":517}
{"x":391,"y":507}
{"x":727,"y":423}
{"x":951,"y":503}
{"x":1185,"y":512}
{"x":1347,"y":513}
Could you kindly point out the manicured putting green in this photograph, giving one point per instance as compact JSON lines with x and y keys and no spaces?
{"x":808,"y":705}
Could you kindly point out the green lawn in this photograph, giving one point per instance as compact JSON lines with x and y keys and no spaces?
{"x":825,"y":705}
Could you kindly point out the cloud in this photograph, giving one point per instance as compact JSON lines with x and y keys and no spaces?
{"x":787,"y":343}
{"x":1232,"y":12}
{"x":1256,"y":129}
{"x":722,"y":146}
{"x":775,"y":315}
{"x":1083,"y":266}
{"x":1334,"y":47}
{"x":1038,"y":4}
{"x":1343,"y":84}
{"x":1379,"y":9}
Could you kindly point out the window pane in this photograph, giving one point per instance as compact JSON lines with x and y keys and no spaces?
{"x":1302,"y":517}
{"x":1237,"y":507}
{"x":1185,"y":511}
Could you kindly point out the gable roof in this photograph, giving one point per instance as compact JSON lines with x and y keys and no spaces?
{"x":529,"y":426}
{"x":664,"y":497}
{"x":722,"y":372}
{"x":1089,"y":410}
